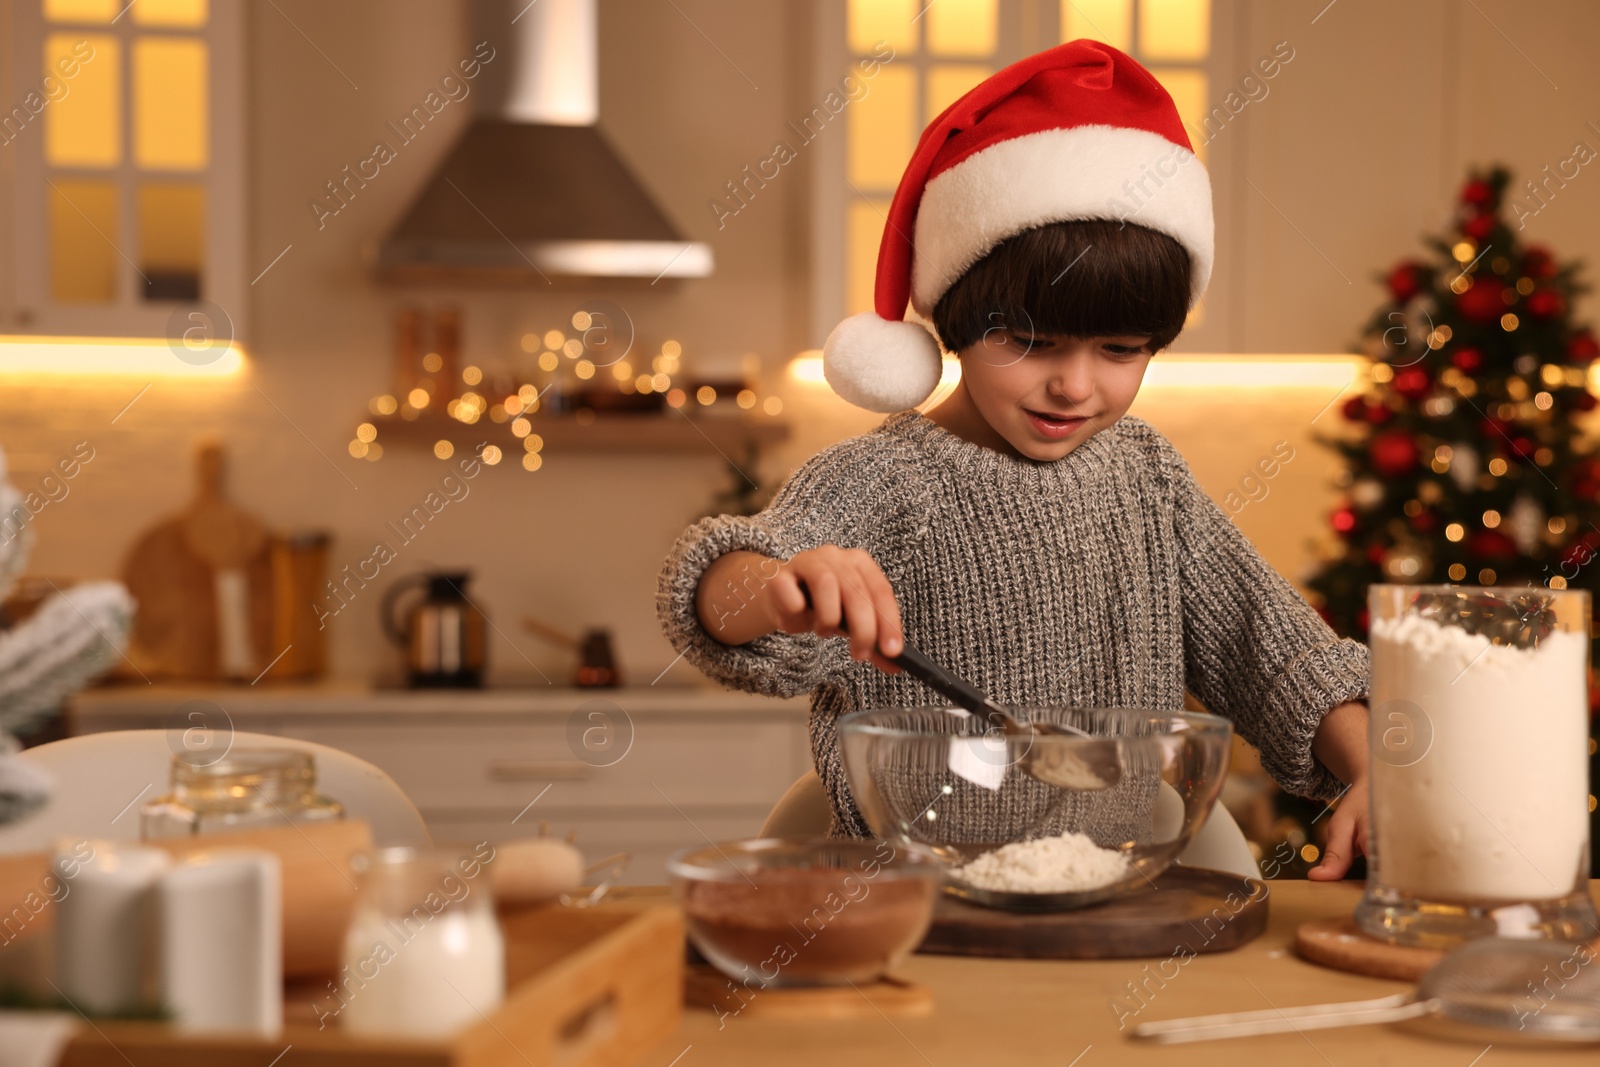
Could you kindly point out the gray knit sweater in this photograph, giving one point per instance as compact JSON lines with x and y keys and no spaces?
{"x":1106,"y":578}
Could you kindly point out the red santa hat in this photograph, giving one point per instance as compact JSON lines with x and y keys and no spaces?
{"x":1080,"y":131}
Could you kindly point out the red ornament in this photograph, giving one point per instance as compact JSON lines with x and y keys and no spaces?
{"x":1523,"y":447}
{"x":1363,"y":618}
{"x":1467,"y":360}
{"x":1425,"y":522}
{"x":1585,"y":401}
{"x":1538,"y":262}
{"x":1378,"y":414}
{"x":1491,"y":545}
{"x":1479,"y":227}
{"x":1375,"y":553}
{"x":1393,"y":453}
{"x":1494,"y":429}
{"x":1412,"y":383}
{"x":1546,"y":304}
{"x":1581,"y":552}
{"x":1478,"y":193}
{"x":1405,"y":281}
{"x":1343,"y":520}
{"x":1355,"y":409}
{"x":1483,"y":303}
{"x":1582,"y":348}
{"x":1585,"y":488}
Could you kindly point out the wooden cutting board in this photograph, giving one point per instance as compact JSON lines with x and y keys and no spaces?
{"x":1189,"y":911}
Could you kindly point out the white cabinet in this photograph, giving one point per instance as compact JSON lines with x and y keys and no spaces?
{"x":673,"y":767}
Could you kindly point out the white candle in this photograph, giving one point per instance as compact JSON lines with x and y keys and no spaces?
{"x":103,"y":933}
{"x":220,"y":917}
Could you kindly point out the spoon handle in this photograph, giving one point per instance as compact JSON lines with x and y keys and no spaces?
{"x":913,"y":662}
{"x":1286,"y":1020}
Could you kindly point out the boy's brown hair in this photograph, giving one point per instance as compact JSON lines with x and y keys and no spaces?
{"x":1083,"y":278}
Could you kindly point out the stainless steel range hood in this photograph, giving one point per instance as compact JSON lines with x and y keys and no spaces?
{"x":532,"y":192}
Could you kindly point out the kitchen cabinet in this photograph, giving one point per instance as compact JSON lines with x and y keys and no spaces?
{"x":639,"y":770}
{"x":124,"y":202}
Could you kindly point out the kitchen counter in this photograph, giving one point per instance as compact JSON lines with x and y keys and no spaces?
{"x":1067,"y":1013}
{"x":137,"y":706}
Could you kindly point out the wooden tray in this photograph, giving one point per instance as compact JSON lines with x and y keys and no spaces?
{"x":1190,"y":910}
{"x":584,"y":986}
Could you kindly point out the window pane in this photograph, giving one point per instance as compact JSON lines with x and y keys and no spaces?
{"x":171,"y":239}
{"x":883,"y":130}
{"x":1109,"y":21}
{"x":1188,"y":90}
{"x":80,"y":10}
{"x":84,"y":128}
{"x":170,"y":12}
{"x":169,"y":95}
{"x":961,"y":27}
{"x":83,"y":222}
{"x":889,"y":21}
{"x":1175,"y":29}
{"x":867,"y":220}
{"x":948,"y":81}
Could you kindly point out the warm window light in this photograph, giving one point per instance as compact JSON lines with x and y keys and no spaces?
{"x":141,"y":357}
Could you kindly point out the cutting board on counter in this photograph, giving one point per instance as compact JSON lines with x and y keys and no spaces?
{"x":1190,"y":910}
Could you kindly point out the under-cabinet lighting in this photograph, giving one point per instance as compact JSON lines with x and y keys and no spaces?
{"x":1181,"y":371}
{"x":143,"y":357}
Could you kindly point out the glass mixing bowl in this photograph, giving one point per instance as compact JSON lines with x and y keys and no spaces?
{"x":805,"y":911}
{"x":942,"y":778}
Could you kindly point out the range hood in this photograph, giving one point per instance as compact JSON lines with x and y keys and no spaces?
{"x":532,"y":193}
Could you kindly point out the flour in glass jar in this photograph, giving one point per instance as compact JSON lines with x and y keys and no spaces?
{"x":1496,"y":806}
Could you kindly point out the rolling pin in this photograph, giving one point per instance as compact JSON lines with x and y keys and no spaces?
{"x":319,"y":887}
{"x":319,"y":884}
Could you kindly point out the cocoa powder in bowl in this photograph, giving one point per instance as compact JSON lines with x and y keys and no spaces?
{"x":812,"y":925}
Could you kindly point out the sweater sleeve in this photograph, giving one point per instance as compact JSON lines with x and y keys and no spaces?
{"x":1254,"y":649}
{"x":859,"y":493}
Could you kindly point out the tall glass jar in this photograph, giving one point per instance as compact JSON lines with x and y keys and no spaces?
{"x":244,"y":789}
{"x":1479,"y":772}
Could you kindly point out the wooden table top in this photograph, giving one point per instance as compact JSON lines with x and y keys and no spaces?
{"x":994,"y":1013}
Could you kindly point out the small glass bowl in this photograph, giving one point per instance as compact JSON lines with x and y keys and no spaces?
{"x":806,"y":911}
{"x":942,"y":778}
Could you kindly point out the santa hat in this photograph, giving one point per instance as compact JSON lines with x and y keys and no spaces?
{"x":1080,"y":131}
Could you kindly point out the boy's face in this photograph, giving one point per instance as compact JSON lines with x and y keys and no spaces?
{"x":1016,"y":382}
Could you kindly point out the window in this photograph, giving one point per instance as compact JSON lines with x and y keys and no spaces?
{"x":943,"y":49}
{"x":127,"y":182}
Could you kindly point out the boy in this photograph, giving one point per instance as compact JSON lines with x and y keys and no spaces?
{"x":1055,"y":227}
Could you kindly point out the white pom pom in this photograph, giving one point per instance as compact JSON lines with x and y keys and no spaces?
{"x":881,"y":365}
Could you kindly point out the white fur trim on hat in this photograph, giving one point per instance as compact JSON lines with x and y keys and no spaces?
{"x":881,"y":365}
{"x":1083,"y":172}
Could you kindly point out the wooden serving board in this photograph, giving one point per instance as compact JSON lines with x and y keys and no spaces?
{"x":1190,"y":910}
{"x":1343,"y":946}
{"x":707,"y":988}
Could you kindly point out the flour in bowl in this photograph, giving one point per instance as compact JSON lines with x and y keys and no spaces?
{"x":1070,"y":863}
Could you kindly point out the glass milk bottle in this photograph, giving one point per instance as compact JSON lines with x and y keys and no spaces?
{"x":1479,"y":772}
{"x":423,"y":954}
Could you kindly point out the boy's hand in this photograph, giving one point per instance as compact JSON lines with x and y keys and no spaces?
{"x":1347,"y":833}
{"x":846,"y":584}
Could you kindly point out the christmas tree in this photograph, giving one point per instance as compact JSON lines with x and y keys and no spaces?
{"x":1468,"y":465}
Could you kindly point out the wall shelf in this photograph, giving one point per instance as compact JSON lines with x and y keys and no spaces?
{"x":669,"y":431}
